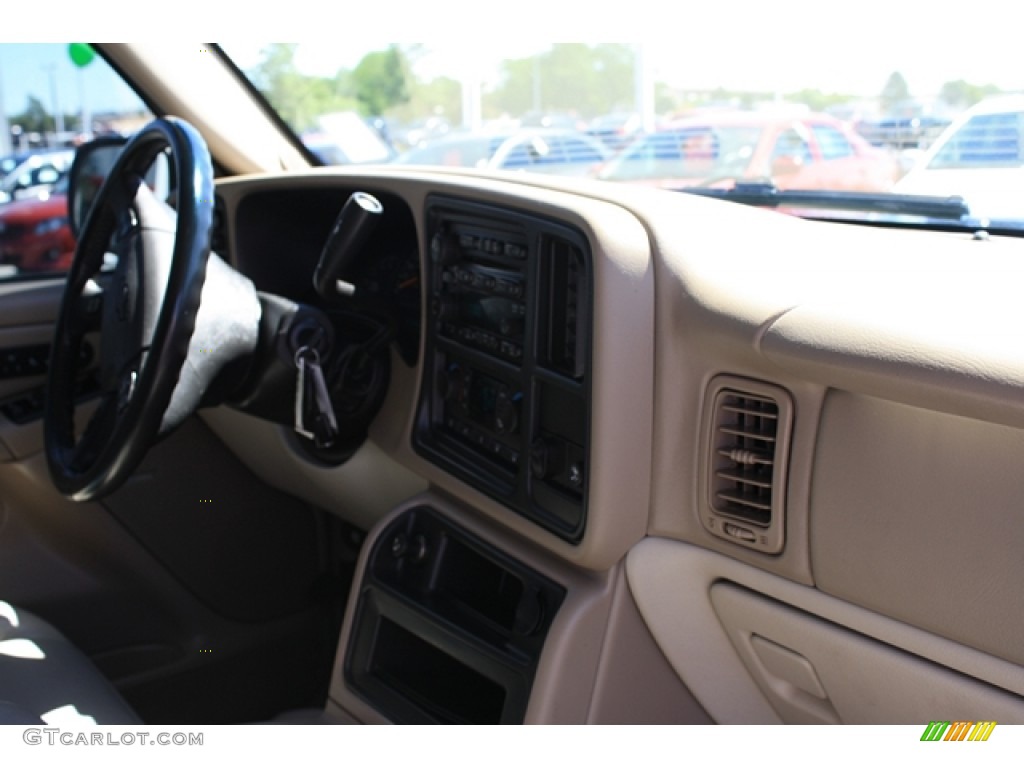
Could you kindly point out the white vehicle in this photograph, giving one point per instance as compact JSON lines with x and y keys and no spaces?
{"x":36,"y":175}
{"x":979,"y":157}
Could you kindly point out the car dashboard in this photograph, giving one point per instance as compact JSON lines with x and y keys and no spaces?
{"x":647,"y":457}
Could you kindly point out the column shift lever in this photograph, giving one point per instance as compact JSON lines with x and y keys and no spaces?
{"x":353,"y":227}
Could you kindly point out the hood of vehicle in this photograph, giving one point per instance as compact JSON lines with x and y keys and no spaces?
{"x":989,"y":192}
{"x":35,"y":209}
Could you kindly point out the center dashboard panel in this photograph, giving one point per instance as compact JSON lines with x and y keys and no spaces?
{"x":505,"y":400}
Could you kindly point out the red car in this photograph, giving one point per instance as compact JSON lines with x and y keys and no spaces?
{"x":809,"y":151}
{"x":35,"y":235}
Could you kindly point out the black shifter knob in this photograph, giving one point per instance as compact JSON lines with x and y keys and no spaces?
{"x":356,"y":222}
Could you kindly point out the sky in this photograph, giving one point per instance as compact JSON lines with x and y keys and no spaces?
{"x":47,"y":72}
{"x":785,"y":45}
{"x":754,"y":56}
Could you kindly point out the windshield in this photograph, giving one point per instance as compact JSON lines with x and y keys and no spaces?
{"x":873,"y":107}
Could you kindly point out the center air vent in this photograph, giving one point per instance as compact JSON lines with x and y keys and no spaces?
{"x":748,"y":437}
{"x":565,"y":308}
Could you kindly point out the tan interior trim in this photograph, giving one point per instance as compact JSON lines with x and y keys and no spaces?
{"x":672,"y":582}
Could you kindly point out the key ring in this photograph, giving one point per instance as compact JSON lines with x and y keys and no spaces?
{"x":303,"y":352}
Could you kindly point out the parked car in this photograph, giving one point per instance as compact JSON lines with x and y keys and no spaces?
{"x":9,"y":162}
{"x":616,"y":130}
{"x":35,"y":175}
{"x":421,"y":131}
{"x":539,"y":150}
{"x":34,"y":232}
{"x":806,"y":152}
{"x":915,"y":132}
{"x":345,"y":138}
{"x":979,"y":157}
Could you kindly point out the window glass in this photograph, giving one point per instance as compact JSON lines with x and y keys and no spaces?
{"x":791,"y":144}
{"x":579,"y":151}
{"x":831,"y":142}
{"x":984,"y":141}
{"x":51,"y":104}
{"x":693,"y":151}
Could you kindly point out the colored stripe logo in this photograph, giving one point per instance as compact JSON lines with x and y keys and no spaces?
{"x":960,"y":730}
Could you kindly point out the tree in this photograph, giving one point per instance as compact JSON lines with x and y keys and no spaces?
{"x":569,"y":77}
{"x":441,"y":96}
{"x":35,"y":118}
{"x":297,"y":97}
{"x":894,"y":92}
{"x":381,"y":80}
{"x":960,"y":93}
{"x":818,"y":100}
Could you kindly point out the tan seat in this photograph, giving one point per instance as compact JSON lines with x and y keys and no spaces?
{"x":45,"y":679}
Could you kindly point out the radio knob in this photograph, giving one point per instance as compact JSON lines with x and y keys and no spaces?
{"x":545,"y":459}
{"x":444,"y":249}
{"x":506,"y":413}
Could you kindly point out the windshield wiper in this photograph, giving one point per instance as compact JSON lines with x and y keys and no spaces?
{"x":767,"y":195}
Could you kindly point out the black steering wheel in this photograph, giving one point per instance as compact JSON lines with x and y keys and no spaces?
{"x":148,"y":311}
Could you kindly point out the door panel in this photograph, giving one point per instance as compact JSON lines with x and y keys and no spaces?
{"x":705,"y":633}
{"x":814,"y":671}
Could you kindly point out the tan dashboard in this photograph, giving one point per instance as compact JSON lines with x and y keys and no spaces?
{"x":878,"y":373}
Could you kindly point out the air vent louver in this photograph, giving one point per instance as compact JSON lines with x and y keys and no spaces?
{"x":747,"y":427}
{"x":565,"y":308}
{"x":748,"y":435}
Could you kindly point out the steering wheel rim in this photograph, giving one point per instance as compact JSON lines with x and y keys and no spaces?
{"x":143,"y":349}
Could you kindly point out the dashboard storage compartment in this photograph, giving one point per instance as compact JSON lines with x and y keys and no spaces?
{"x":447,"y":629}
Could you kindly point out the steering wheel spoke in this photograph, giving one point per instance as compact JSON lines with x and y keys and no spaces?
{"x":87,"y":308}
{"x":96,"y":435}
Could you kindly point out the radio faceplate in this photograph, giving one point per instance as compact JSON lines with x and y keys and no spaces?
{"x":505,"y":400}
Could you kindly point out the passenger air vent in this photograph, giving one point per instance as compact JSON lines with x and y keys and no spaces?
{"x":749,"y":425}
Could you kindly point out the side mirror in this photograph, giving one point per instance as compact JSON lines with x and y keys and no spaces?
{"x":92,"y":164}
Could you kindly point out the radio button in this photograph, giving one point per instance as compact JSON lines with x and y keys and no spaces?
{"x":511,"y":326}
{"x":488,"y":342}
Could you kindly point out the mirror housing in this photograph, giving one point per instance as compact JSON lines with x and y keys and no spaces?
{"x":90,"y":168}
{"x":92,"y":163}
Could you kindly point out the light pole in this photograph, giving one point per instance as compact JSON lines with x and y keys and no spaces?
{"x":5,"y":132}
{"x":57,"y":116}
{"x":536,"y":83}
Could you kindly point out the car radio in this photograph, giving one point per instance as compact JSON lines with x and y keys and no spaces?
{"x":505,"y":401}
{"x":481,"y":296}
